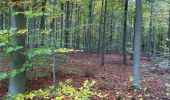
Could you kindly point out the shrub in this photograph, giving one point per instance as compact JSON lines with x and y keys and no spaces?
{"x":64,"y":92}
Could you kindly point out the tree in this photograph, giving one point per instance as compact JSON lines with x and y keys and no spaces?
{"x":137,"y":46}
{"x":150,"y":31}
{"x":67,"y":24}
{"x":62,"y":22}
{"x":169,"y":35}
{"x":100,"y":27}
{"x":77,"y":24}
{"x":42,"y":25}
{"x":1,"y":21}
{"x":125,"y":32}
{"x":18,"y":22}
{"x":104,"y":31}
{"x":90,"y":21}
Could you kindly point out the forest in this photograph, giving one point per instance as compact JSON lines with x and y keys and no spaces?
{"x":84,"y":49}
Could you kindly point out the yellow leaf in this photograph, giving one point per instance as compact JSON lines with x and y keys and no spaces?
{"x":59,"y":98}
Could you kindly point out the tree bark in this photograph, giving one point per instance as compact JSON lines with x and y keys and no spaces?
{"x":169,"y":36}
{"x":1,"y":20}
{"x":125,"y":33}
{"x":104,"y":32}
{"x":150,"y":32}
{"x":100,"y":27}
{"x":62,"y":24}
{"x":137,"y":46}
{"x":17,"y":83}
{"x":42,"y":25}
{"x":90,"y":21}
{"x":67,"y":24}
{"x":77,"y":24}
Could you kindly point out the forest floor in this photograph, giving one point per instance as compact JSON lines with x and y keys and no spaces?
{"x":113,"y":78}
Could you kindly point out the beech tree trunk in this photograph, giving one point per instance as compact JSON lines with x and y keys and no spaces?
{"x":18,"y":22}
{"x":137,"y":46}
{"x":150,"y":33}
{"x":1,"y":21}
{"x":100,"y":28}
{"x":104,"y":32}
{"x":62,"y":24}
{"x":42,"y":25}
{"x":90,"y":21}
{"x":67,"y":17}
{"x":169,"y":36}
{"x":125,"y":32}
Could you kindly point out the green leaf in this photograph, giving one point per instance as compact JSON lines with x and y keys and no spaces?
{"x":13,"y":49}
{"x":3,"y":44}
{"x":3,"y":75}
{"x":10,"y":49}
{"x":38,"y":51}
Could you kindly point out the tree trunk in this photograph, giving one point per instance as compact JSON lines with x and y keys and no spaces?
{"x":137,"y":46}
{"x":104,"y":32}
{"x":17,"y":83}
{"x":67,"y":24}
{"x":1,"y":20}
{"x":125,"y":32}
{"x":78,"y":23}
{"x":150,"y":33}
{"x":169,"y":37}
{"x":100,"y":28}
{"x":62,"y":24}
{"x":90,"y":20}
{"x":34,"y":26}
{"x":133,"y":38}
{"x":71,"y":21}
{"x":42,"y":25}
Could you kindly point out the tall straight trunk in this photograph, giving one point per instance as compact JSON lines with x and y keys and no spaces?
{"x":169,"y":36}
{"x":121,"y":35}
{"x":90,"y":20}
{"x":57,"y":29}
{"x":67,"y":24}
{"x":71,"y":21}
{"x":125,"y":33}
{"x":137,"y":46}
{"x":62,"y":24}
{"x":143,"y":44}
{"x":111,"y":36}
{"x":78,"y":22}
{"x":42,"y":25}
{"x":150,"y":33}
{"x":112,"y":25}
{"x":153,"y":42}
{"x":33,"y":27}
{"x":17,"y":83}
{"x":133,"y":37}
{"x":1,"y":20}
{"x":6,"y":16}
{"x":85,"y":35}
{"x":53,"y":46}
{"x":100,"y":27}
{"x":6,"y":20}
{"x":159,"y":42}
{"x":104,"y":32}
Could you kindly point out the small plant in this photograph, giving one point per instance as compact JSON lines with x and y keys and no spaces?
{"x":64,"y":92}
